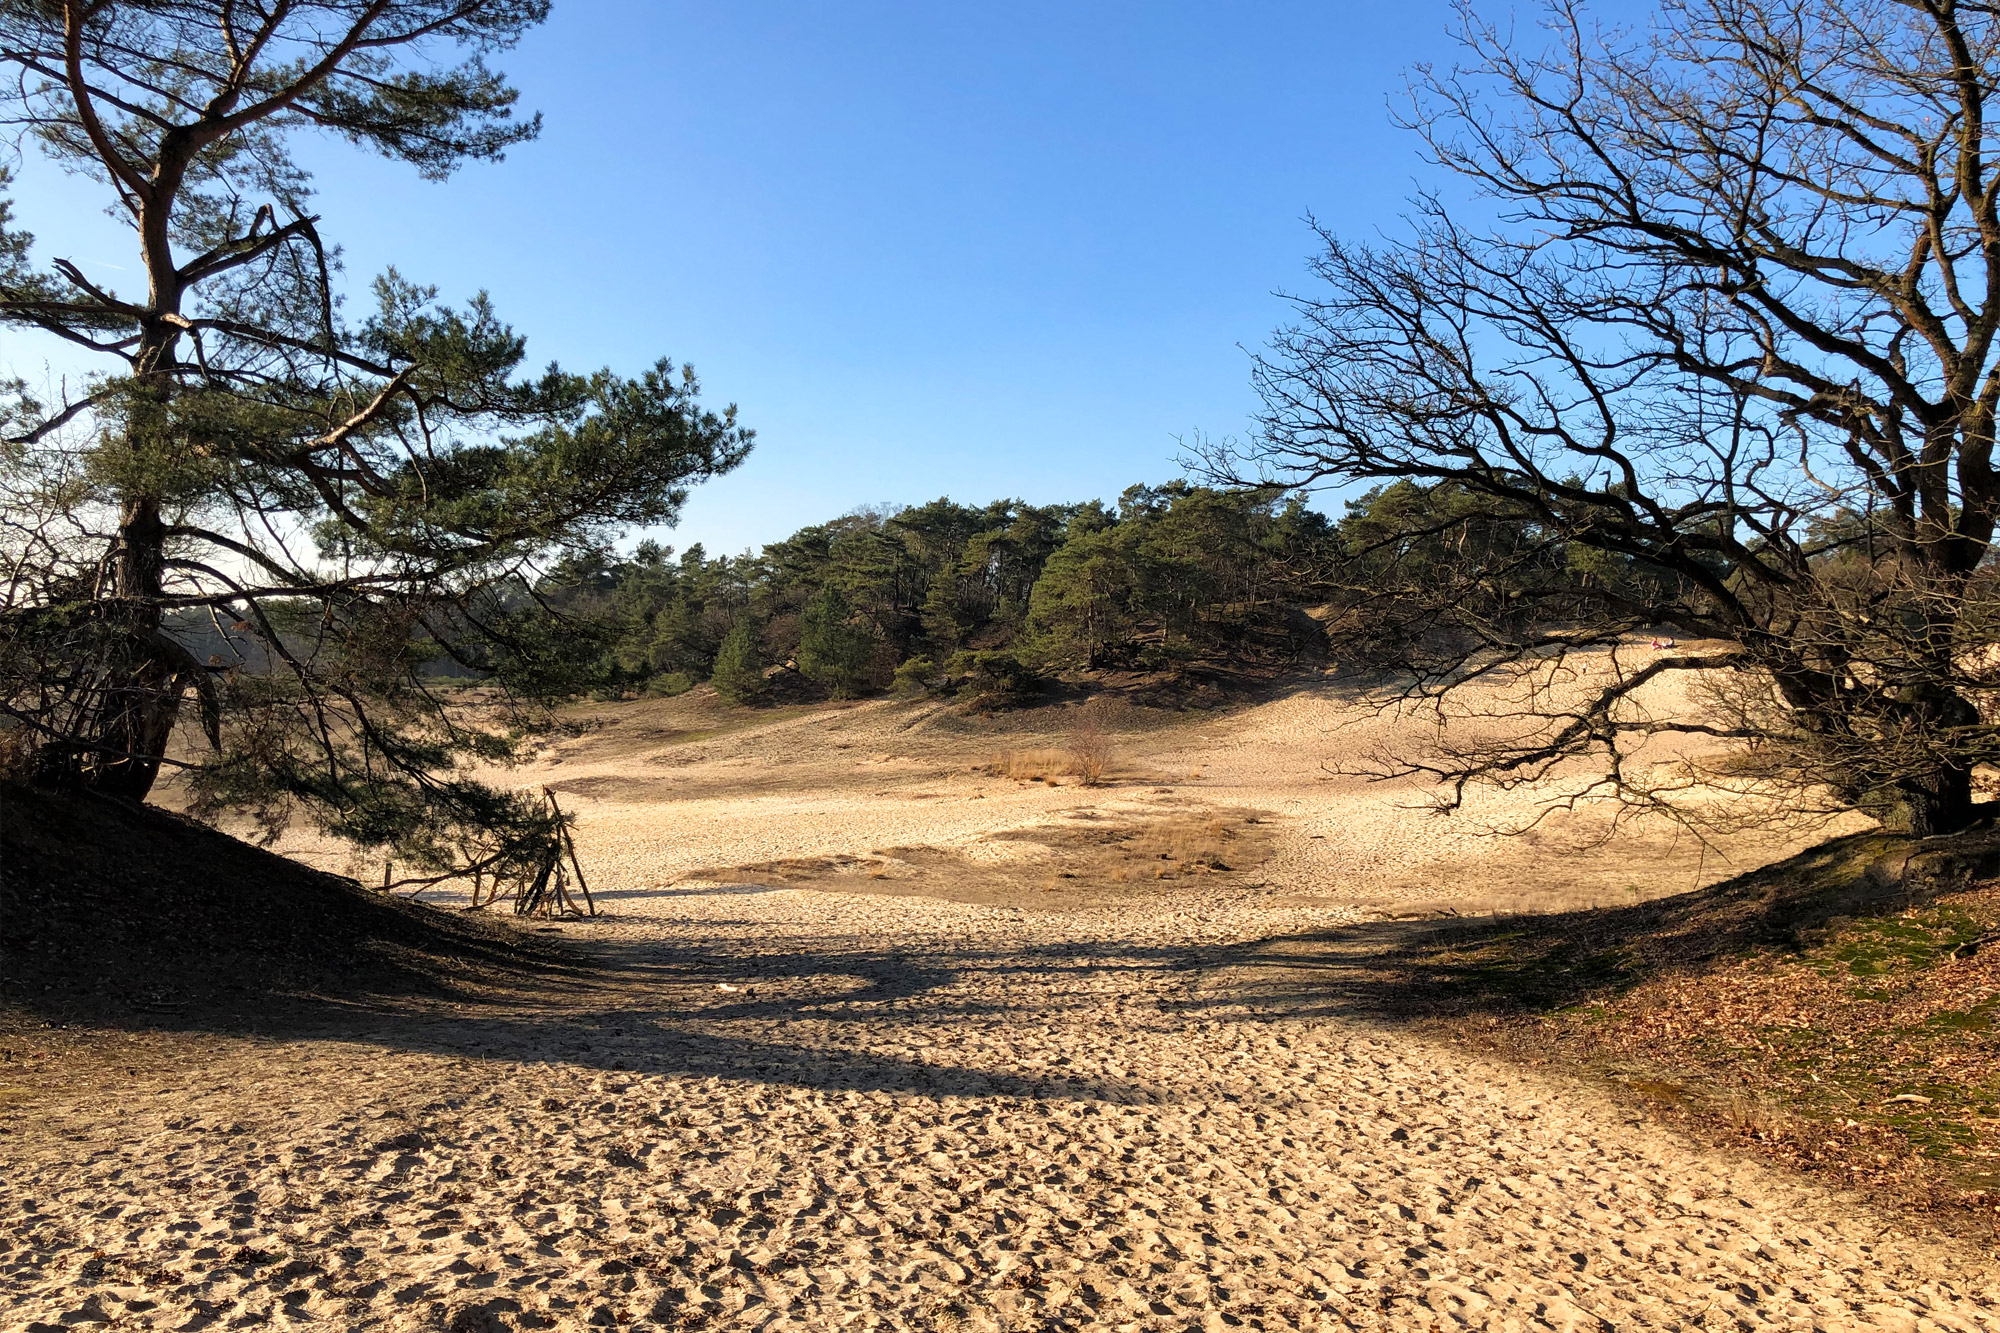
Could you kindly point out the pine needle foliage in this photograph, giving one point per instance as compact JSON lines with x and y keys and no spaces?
{"x":307,"y":523}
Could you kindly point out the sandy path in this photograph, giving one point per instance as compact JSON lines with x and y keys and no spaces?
{"x":914,"y":1114}
{"x":917,"y":1115}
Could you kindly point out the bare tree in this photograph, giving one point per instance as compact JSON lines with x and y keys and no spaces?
{"x":1713,"y":331}
{"x":259,"y":504}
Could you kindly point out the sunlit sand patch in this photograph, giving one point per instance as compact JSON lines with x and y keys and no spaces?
{"x":992,"y":852}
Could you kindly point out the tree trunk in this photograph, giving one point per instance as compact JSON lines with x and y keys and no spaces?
{"x":1939,"y":798}
{"x":1940,"y":801}
{"x":141,"y":682}
{"x":141,"y":685}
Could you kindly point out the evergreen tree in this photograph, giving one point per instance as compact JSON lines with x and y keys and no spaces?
{"x":836,"y":649}
{"x":1178,"y":575}
{"x":739,"y":672}
{"x":1082,"y":603}
{"x":347,"y":503}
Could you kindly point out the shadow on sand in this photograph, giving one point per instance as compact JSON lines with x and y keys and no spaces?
{"x":136,"y":921}
{"x":1535,"y":962}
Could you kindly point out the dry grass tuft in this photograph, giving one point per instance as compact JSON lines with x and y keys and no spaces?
{"x":1085,"y":756}
{"x":1073,"y":864}
{"x":1033,"y":765}
{"x":1184,"y":847}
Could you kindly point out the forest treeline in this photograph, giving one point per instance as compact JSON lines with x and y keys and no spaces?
{"x":984,"y":601}
{"x":992,"y":602}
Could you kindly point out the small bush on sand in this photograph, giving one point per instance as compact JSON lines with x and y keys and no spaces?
{"x":1090,"y":742}
{"x":668,"y":685}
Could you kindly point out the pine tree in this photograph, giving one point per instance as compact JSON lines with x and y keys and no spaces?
{"x":739,"y":672}
{"x":1081,"y":605}
{"x":836,"y":649}
{"x":333,"y":507}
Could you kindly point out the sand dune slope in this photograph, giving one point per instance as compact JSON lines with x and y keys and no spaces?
{"x":785,"y":1108}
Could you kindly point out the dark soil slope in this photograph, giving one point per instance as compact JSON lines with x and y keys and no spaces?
{"x":111,"y":913}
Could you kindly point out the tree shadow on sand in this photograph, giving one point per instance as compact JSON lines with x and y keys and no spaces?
{"x":133,"y":921}
{"x":1514,"y":963}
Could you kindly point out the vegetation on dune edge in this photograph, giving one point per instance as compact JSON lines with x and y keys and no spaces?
{"x":1839,"y":1010}
{"x":987,"y":603}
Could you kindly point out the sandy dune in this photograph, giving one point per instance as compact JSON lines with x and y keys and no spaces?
{"x":794,"y":1108}
{"x":661,"y":800}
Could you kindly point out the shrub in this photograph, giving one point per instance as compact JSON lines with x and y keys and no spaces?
{"x":918,"y":676}
{"x":992,"y":678}
{"x":1090,"y":741}
{"x":17,"y":751}
{"x":668,"y":684}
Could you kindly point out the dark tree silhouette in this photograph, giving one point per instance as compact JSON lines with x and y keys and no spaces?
{"x":1714,"y":333}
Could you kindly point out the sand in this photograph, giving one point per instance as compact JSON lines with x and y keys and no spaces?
{"x":793,"y":1108}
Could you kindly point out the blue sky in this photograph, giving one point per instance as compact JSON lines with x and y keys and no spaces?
{"x":982,"y":251}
